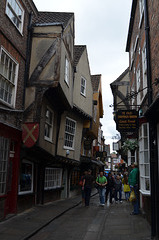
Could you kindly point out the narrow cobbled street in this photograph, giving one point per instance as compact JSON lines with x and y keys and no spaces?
{"x":70,"y":220}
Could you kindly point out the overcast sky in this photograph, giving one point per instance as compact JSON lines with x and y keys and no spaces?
{"x":102,"y":25}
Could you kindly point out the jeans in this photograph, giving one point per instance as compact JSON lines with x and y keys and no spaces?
{"x":116,"y":193}
{"x":102,"y":194}
{"x":109,"y":190}
{"x":87,"y":192}
{"x":127,"y":195}
{"x":136,"y":203}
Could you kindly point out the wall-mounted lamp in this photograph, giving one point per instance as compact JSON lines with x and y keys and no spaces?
{"x":67,"y":152}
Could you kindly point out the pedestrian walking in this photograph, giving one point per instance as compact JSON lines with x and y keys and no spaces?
{"x":126,"y":186}
{"x":133,"y":181}
{"x":101,"y":181}
{"x":87,"y":187}
{"x":118,"y":189}
{"x":82,"y":189}
{"x":110,"y":187}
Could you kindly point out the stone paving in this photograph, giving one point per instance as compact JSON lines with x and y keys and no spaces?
{"x":118,"y":224}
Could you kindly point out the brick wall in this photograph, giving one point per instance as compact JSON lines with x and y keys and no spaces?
{"x":153,"y":7}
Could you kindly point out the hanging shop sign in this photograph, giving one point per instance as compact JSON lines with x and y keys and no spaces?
{"x":127,"y":120}
{"x":88,"y":144}
{"x":30,"y":134}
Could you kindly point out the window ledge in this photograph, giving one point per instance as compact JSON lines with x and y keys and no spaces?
{"x":24,"y":193}
{"x":48,"y":140}
{"x":54,"y":189}
{"x":144,"y":192}
{"x":83,"y":95}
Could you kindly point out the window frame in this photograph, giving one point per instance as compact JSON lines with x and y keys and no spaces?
{"x":51,"y":125}
{"x":5,"y":79}
{"x":131,"y":56}
{"x":9,"y":8}
{"x":144,"y":70}
{"x":138,"y":84}
{"x":4,"y":150}
{"x":67,"y":71}
{"x":83,"y":86}
{"x":24,"y":161}
{"x":70,"y":134}
{"x":50,"y":178}
{"x":141,"y":11}
{"x":143,"y":151}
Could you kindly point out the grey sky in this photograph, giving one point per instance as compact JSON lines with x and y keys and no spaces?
{"x":103,"y":26}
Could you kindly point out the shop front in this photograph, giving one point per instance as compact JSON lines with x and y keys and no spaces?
{"x":10,"y":141}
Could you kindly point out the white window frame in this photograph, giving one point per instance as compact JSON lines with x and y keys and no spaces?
{"x":136,"y":42}
{"x":8,"y":78}
{"x":4,"y":156}
{"x":144,"y":158}
{"x":138,"y":84}
{"x":144,"y":70}
{"x":67,"y":71}
{"x":83,"y":86}
{"x":32,"y":178}
{"x":141,"y":11}
{"x":70,"y":132}
{"x":48,"y":124}
{"x":53,"y":178}
{"x":133,"y":99}
{"x":95,"y":113}
{"x":131,"y":56}
{"x":13,"y":8}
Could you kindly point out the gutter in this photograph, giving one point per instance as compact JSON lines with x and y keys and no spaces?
{"x":28,"y":54}
{"x":131,"y":24}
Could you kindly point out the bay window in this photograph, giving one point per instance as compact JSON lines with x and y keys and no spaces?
{"x":53,"y":178}
{"x":8,"y":78}
{"x":144,"y":161}
{"x":70,"y":129}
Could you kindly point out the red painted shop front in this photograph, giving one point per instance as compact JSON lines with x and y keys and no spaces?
{"x":10,"y":142}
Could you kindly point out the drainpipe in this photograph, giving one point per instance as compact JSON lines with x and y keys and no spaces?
{"x":151,"y":124}
{"x":28,"y":50}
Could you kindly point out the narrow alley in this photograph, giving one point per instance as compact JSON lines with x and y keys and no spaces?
{"x":68,"y":219}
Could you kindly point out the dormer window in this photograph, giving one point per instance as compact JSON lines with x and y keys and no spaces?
{"x":83,"y":86}
{"x":67,"y":69}
{"x":15,"y":12}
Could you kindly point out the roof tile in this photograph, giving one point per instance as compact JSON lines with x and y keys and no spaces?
{"x":95,"y":82}
{"x":78,"y":50}
{"x":53,"y":17}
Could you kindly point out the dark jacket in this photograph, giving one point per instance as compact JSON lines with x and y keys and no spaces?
{"x":118,"y":184}
{"x":110,"y":182}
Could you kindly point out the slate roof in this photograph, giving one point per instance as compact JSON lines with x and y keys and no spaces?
{"x":120,"y":77}
{"x":53,"y":18}
{"x":95,"y":82}
{"x":78,"y":50}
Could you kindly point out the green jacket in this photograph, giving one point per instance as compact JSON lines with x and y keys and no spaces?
{"x":134,"y":177}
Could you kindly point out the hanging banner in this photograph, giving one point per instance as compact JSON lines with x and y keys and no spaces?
{"x":30,"y":134}
{"x":127,"y":120}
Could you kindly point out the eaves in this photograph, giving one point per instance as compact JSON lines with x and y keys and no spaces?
{"x":131,"y":24}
